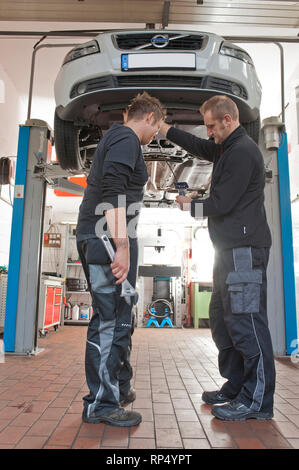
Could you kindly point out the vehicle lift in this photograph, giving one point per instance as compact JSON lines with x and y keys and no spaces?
{"x":34,"y":172}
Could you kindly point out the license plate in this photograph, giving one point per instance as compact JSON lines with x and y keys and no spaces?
{"x":161,"y":60}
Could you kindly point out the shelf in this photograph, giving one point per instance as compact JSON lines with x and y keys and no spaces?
{"x":77,"y":292}
{"x":76,"y":322}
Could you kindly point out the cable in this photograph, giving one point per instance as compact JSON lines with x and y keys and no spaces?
{"x":54,"y":253}
{"x":172,"y":171}
{"x":150,"y":306}
{"x":9,"y":190}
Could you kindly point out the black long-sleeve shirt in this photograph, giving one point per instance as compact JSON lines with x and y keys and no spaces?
{"x":235,"y":206}
{"x":117,"y":177}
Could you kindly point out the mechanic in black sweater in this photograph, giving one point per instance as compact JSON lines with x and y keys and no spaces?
{"x":111,"y":204}
{"x":241,"y":238}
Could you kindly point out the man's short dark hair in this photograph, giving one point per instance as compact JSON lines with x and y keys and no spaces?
{"x":143,"y":104}
{"x":220,"y":105}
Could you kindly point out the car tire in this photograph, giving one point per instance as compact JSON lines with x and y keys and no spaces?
{"x":253,"y":129}
{"x":66,"y":137}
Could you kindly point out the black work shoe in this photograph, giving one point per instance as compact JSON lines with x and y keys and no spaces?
{"x":118,"y":417}
{"x":212,"y":398}
{"x":236,"y":411}
{"x":129,"y":398}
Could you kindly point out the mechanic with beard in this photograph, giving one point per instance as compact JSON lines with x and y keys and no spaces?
{"x":241,"y":238}
{"x":112,"y":199}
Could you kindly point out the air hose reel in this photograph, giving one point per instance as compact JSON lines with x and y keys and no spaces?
{"x":151,"y":308}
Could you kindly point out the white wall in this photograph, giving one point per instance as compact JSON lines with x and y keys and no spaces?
{"x":10,"y":113}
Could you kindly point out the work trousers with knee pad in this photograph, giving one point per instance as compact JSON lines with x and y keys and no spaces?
{"x":108,"y":346}
{"x":239,"y":326}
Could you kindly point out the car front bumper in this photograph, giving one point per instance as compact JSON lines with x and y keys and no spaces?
{"x":181,"y":92}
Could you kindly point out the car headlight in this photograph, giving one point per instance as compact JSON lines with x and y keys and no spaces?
{"x":235,"y":52}
{"x":86,"y":49}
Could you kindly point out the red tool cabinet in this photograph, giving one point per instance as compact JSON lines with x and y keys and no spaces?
{"x":50,"y":304}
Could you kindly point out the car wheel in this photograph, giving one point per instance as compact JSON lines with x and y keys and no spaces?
{"x":66,"y":138}
{"x":74,"y":145}
{"x":253,"y":129}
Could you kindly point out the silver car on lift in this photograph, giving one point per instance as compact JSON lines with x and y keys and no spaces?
{"x":98,"y":79}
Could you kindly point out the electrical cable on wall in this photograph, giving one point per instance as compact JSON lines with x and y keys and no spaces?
{"x":54,"y":254}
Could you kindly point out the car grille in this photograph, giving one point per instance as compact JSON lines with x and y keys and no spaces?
{"x":143,"y":40}
{"x":158,"y":80}
{"x":164,"y":81}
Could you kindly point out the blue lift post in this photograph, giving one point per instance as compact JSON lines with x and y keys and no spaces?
{"x":21,"y":314}
{"x":287,"y":247}
{"x":16,"y":241}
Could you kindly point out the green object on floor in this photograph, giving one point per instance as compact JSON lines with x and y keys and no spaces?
{"x":200,"y":302}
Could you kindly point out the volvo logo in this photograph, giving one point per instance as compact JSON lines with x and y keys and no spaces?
{"x":160,"y":40}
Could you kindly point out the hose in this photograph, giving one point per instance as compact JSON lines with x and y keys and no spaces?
{"x":151,"y":305}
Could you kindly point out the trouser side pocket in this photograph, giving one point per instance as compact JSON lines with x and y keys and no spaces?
{"x":244,"y":288}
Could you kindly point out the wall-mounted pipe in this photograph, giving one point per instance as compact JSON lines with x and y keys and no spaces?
{"x":277,"y":42}
{"x":95,"y":32}
{"x":35,"y":50}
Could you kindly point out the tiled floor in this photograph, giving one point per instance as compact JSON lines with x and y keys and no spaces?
{"x":41,"y":397}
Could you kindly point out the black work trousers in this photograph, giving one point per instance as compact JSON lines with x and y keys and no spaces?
{"x":108,"y":346}
{"x":239,"y":326}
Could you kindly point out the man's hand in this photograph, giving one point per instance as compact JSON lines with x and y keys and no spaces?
{"x":184,"y":202}
{"x":164,"y":128}
{"x":116,"y":220}
{"x":121,"y":264}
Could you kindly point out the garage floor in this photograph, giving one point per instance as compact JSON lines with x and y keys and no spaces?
{"x":41,"y":397}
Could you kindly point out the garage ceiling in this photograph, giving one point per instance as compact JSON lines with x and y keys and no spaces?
{"x":266,"y":13}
